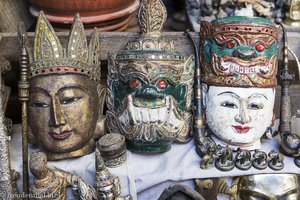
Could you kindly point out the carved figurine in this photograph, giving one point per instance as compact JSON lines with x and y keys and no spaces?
{"x":210,"y":188}
{"x":293,"y":13}
{"x":260,"y":159}
{"x":53,"y":183}
{"x":208,"y":158}
{"x":6,"y":182}
{"x":66,"y":98}
{"x":150,"y":87}
{"x":108,"y":187}
{"x":239,"y":62}
{"x":276,"y":160}
{"x":224,"y":162}
{"x":243,"y":160}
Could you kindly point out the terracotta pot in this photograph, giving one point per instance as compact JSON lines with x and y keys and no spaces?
{"x":85,"y":7}
{"x":113,"y":26}
{"x":87,"y":19}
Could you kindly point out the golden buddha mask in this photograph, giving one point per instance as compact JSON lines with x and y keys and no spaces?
{"x":66,"y":99}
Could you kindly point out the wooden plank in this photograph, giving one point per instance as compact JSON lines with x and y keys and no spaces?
{"x":12,"y":12}
{"x":110,"y":42}
{"x":114,"y":41}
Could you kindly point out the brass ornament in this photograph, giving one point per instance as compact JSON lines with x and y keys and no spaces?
{"x":53,"y":183}
{"x":144,"y":80}
{"x":243,"y":159}
{"x":6,"y":189}
{"x":113,"y":149}
{"x":290,"y":142}
{"x":210,"y":188}
{"x":66,"y":98}
{"x":268,"y":186}
{"x":276,"y":160}
{"x":260,"y":160}
{"x":107,"y":186}
{"x":224,"y":162}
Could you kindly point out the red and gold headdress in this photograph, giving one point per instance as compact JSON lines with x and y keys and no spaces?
{"x":239,"y":52}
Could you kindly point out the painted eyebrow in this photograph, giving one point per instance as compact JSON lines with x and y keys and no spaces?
{"x":230,"y":93}
{"x":73,"y":87}
{"x":39,"y":89}
{"x":257,"y":94}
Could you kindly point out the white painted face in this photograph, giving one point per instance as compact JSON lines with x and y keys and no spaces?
{"x":239,"y":116}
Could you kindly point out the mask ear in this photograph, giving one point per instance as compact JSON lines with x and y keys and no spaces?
{"x":102,"y":96}
{"x":101,"y":122}
{"x":100,"y":127}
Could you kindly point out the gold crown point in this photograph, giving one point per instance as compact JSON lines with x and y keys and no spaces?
{"x":50,"y":57}
{"x":152,"y":16}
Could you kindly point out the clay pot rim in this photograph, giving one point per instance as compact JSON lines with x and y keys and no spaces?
{"x":115,"y":27}
{"x":121,"y":29}
{"x":89,"y":19}
{"x":93,"y":8}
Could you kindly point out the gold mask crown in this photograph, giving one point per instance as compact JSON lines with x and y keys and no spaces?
{"x":151,"y":16}
{"x":49,"y":57}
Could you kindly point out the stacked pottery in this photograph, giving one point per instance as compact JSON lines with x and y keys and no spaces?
{"x":111,"y":15}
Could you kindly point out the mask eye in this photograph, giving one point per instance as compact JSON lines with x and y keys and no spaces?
{"x":231,"y":44}
{"x":162,"y":84}
{"x":255,"y":106}
{"x":135,"y":83}
{"x":69,"y":100}
{"x":260,"y":47}
{"x":39,"y":105}
{"x":228,"y":104}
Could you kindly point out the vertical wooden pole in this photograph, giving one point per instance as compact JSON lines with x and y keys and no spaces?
{"x":24,"y":98}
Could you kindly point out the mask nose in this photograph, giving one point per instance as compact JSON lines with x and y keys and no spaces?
{"x":150,"y":93}
{"x":243,"y":117}
{"x":57,"y":117}
{"x":245,"y":53}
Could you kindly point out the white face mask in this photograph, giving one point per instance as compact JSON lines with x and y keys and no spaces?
{"x":239,"y":116}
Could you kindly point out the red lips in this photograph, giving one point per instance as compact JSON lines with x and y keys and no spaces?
{"x":242,"y":129}
{"x":61,"y":136}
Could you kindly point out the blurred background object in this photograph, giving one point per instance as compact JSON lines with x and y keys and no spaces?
{"x":106,"y":15}
{"x":11,"y":13}
{"x":211,"y":9}
{"x":293,"y":13}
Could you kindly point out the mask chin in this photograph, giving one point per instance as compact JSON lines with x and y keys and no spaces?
{"x":150,"y":124}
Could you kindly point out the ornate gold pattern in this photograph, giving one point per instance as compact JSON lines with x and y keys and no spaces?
{"x":77,"y":58}
{"x":5,"y":175}
{"x":152,"y":16}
